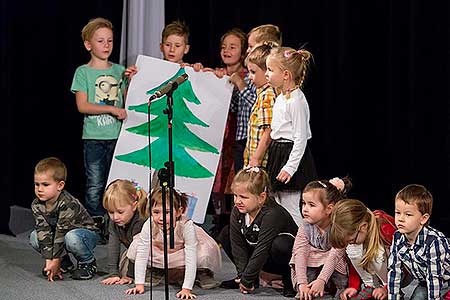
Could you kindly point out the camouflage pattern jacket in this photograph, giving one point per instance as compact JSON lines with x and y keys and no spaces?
{"x":52,"y":225}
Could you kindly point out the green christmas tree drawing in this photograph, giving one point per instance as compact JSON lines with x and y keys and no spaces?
{"x":183,"y":137}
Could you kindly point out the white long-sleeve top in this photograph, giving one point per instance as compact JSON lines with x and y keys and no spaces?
{"x":290,"y":121}
{"x":184,"y":233}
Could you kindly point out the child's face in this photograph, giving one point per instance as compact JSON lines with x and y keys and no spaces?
{"x":245,"y":201}
{"x":46,"y":188}
{"x":174,"y":48}
{"x":101,"y":43}
{"x":231,"y":50}
{"x":256,"y":75}
{"x":122,"y":214}
{"x":251,"y":42}
{"x":274,"y":75}
{"x":408,"y":219}
{"x":314,"y":212}
{"x":158,"y":216}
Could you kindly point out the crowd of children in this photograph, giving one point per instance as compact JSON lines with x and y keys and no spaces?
{"x":283,"y":221}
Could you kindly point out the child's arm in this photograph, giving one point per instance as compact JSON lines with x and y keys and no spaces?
{"x":113,"y":256}
{"x":300,"y":259}
{"x":248,"y":94}
{"x":43,"y":231}
{"x":239,"y":246}
{"x":436,"y":256}
{"x":190,"y":255}
{"x":263,"y":145}
{"x":394,"y":269}
{"x":85,"y":107}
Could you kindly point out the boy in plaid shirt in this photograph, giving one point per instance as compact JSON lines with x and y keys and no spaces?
{"x":417,"y":247}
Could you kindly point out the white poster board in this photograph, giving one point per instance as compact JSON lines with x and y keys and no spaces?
{"x":200,"y":109}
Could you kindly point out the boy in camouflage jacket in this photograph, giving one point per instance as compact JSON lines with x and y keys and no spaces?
{"x":63,"y":225}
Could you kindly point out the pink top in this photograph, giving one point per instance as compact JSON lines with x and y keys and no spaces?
{"x":305,"y":255}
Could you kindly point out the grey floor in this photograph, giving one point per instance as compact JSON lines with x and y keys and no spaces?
{"x":20,"y":274}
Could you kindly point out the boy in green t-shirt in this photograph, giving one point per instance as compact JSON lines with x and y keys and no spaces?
{"x":98,"y":88}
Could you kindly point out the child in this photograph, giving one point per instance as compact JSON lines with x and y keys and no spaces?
{"x":263,"y":33}
{"x":261,"y":233}
{"x":126,"y":204}
{"x":422,"y":250}
{"x":314,"y":262}
{"x":99,"y":96}
{"x":366,"y":237}
{"x":258,"y":134}
{"x":63,"y":225}
{"x":195,"y":251}
{"x":290,"y":163}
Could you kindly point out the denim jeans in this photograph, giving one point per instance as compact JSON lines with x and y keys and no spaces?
{"x":80,"y":242}
{"x":98,"y":156}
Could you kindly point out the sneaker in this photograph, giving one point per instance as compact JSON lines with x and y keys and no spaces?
{"x":205,"y":279}
{"x":66,"y":264}
{"x":154,"y":277}
{"x":85,"y":271}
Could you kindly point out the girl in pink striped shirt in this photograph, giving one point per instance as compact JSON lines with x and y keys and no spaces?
{"x":316,"y":266}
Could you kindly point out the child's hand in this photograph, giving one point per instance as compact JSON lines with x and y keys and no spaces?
{"x":253,"y":162}
{"x":303,"y":291}
{"x":119,"y":113}
{"x":348,"y":293}
{"x":317,"y":287}
{"x":284,"y":177}
{"x":186,"y":294}
{"x":245,"y":290}
{"x":237,"y":81}
{"x":125,"y":280}
{"x":139,"y":289}
{"x":379,"y":293}
{"x":52,"y":267}
{"x":197,"y":67}
{"x":219,"y":72}
{"x":111,"y":280}
{"x":130,"y":72}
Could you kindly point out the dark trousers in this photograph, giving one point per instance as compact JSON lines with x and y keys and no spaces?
{"x":238,"y":151}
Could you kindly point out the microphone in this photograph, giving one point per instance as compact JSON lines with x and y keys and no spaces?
{"x":169,"y":86}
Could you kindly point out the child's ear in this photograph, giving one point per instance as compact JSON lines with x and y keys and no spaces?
{"x":161,"y":47}
{"x":286,"y":75}
{"x":424,"y":219}
{"x":186,"y":50}
{"x":329,"y":208}
{"x":61,"y":185}
{"x":88,"y":45}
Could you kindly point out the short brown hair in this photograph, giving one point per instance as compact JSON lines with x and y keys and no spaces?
{"x":259,"y":54}
{"x":266,"y":33}
{"x":54,"y":165}
{"x":417,"y":194}
{"x":177,"y":28}
{"x":89,"y":29}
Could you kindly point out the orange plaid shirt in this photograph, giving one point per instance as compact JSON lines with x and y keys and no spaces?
{"x":260,"y":118}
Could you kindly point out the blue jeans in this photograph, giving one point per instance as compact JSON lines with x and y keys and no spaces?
{"x":80,"y":242}
{"x":98,"y":156}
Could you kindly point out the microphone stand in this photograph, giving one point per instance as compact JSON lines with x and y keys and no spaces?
{"x":167,"y":180}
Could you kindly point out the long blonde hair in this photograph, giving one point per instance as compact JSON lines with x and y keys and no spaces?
{"x":347,"y":216}
{"x":125,"y":192}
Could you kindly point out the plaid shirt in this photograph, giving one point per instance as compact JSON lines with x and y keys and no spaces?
{"x":428,"y":260}
{"x":242,"y":103}
{"x":260,"y":119}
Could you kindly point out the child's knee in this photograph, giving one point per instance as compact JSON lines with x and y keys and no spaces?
{"x":34,"y":240}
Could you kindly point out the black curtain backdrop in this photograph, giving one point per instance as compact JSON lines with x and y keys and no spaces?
{"x":378,"y":91}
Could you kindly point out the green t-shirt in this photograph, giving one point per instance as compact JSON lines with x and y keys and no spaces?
{"x":103,"y":87}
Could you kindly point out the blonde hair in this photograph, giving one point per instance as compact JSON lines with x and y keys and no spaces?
{"x":255,"y":179}
{"x":297,"y":62}
{"x":180,"y":200}
{"x":53,"y":165}
{"x":417,"y":194}
{"x":124,"y":192}
{"x":259,"y":54}
{"x":346,"y":218}
{"x":176,"y":28}
{"x":266,"y":33}
{"x":92,"y":26}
